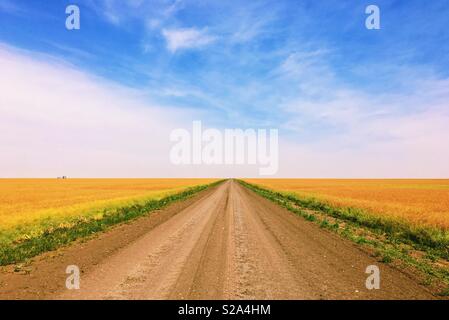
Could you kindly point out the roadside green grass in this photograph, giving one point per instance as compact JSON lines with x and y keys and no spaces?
{"x":424,"y":249}
{"x":62,"y":234}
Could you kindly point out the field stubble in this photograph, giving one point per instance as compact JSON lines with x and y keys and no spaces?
{"x":418,"y":202}
{"x":38,"y":215}
{"x":404,"y":222}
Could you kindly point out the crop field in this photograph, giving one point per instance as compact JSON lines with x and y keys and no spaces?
{"x":29,"y":207}
{"x":418,"y":202}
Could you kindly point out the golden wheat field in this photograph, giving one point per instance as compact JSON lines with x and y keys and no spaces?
{"x":422,"y":202}
{"x":27,"y":201}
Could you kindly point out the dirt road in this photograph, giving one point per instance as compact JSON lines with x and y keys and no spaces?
{"x":226,"y":243}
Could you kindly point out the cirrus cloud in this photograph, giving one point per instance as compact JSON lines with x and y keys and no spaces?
{"x":186,"y":38}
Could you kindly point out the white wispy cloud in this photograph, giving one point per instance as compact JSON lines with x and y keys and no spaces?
{"x":252,"y":20}
{"x":56,"y":120}
{"x":187,"y":38}
{"x":152,"y":13}
{"x":73,"y":51}
{"x":173,"y":8}
{"x":345,"y":131}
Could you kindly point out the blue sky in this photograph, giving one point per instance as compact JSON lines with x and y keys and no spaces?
{"x":309,"y":68}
